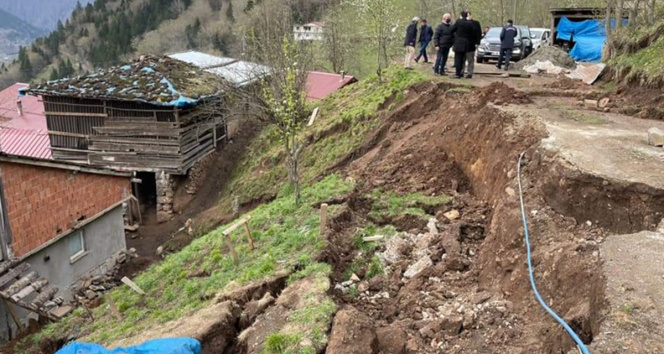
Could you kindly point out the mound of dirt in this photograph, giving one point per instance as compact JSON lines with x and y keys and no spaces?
{"x":499,"y":94}
{"x":556,"y":55}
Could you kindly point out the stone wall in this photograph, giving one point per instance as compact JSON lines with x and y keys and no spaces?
{"x":165,"y":193}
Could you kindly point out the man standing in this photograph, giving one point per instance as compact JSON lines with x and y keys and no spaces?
{"x":476,"y":38}
{"x":426,"y":33}
{"x":443,"y":39}
{"x":463,"y":31}
{"x":507,"y":36}
{"x":409,"y":43}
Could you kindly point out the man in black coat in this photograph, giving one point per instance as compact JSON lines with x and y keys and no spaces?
{"x":409,"y":42}
{"x":443,"y":40}
{"x":476,"y":38}
{"x":507,"y":36}
{"x":426,"y":34}
{"x":464,"y":42}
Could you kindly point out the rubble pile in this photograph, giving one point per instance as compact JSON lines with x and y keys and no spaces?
{"x":93,"y":287}
{"x":556,"y":56}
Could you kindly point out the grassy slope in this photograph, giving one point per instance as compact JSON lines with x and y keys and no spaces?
{"x":282,"y":231}
{"x":633,"y":63}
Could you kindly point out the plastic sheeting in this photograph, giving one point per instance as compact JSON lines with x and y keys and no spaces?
{"x":156,"y":346}
{"x":589,"y":36}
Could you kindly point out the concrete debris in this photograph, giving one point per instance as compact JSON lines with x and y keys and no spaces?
{"x":431,"y":225}
{"x":553,"y":55}
{"x":418,"y":267}
{"x":373,"y":238}
{"x":159,"y":251}
{"x":452,"y":215}
{"x":92,"y":288}
{"x":355,"y":278}
{"x":655,"y":137}
{"x":546,"y":67}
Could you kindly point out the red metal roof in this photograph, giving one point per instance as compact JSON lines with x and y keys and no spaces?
{"x":321,"y":85}
{"x":27,"y":134}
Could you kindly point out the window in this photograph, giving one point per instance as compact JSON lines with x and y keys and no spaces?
{"x":76,"y":246}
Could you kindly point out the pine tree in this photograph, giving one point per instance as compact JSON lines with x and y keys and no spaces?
{"x":229,"y":12}
{"x":54,"y":75}
{"x":191,"y":31}
{"x":215,"y":5}
{"x":25,"y":67}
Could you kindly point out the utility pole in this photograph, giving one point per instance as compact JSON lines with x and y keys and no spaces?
{"x":514,"y":13}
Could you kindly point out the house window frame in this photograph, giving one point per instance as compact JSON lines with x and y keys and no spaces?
{"x":73,"y":258}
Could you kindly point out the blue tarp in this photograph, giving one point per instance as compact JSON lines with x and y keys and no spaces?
{"x":589,"y":36}
{"x":156,"y":346}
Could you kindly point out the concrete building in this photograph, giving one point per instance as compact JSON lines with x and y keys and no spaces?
{"x":59,"y":222}
{"x":309,"y":32}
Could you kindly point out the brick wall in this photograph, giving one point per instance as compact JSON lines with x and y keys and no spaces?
{"x":42,"y":201}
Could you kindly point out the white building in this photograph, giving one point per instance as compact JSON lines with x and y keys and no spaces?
{"x":309,"y":32}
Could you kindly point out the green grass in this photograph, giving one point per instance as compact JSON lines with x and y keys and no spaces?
{"x":375,"y":268}
{"x":627,"y":309}
{"x":646,"y":64}
{"x":343,"y":122}
{"x":390,"y":205}
{"x":306,"y":328}
{"x":372,"y":230}
{"x":282,"y":231}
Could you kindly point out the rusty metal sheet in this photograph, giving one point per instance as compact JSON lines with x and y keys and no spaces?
{"x":586,"y":72}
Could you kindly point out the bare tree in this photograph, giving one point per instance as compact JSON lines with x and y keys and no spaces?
{"x":336,"y":37}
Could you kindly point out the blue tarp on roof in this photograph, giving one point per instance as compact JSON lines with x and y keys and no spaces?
{"x":589,"y":36}
{"x":156,"y":346}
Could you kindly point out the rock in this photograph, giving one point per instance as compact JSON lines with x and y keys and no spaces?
{"x":481,"y":297}
{"x":159,"y":251}
{"x":168,"y":207}
{"x":592,"y":104}
{"x":163,"y":216}
{"x":363,"y":286}
{"x":392,"y":339}
{"x":655,"y":137}
{"x":417,"y":267}
{"x":376,"y":283}
{"x":352,"y":333}
{"x":97,"y":288}
{"x":90,"y":295}
{"x":431,"y":225}
{"x":604,"y":102}
{"x":164,"y":199}
{"x":347,"y":283}
{"x":510,"y":191}
{"x":457,"y":263}
{"x":395,"y":248}
{"x":660,"y":227}
{"x":354,"y":278}
{"x":452,"y":325}
{"x":452,"y":215}
{"x":468,"y":319}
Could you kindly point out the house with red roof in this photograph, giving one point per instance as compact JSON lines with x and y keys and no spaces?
{"x":59,"y":222}
{"x":321,"y":85}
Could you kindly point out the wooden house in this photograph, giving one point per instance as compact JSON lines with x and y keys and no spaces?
{"x":151,"y":115}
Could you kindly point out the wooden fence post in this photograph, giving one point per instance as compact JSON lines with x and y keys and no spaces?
{"x":114,"y":309}
{"x":323,"y":218}
{"x":249,"y":238}
{"x":231,"y":249}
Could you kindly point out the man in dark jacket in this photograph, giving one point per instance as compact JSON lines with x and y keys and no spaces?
{"x":409,"y":42}
{"x":507,"y":36}
{"x":426,"y":34}
{"x":443,"y":39}
{"x":464,"y":40}
{"x":476,"y":39}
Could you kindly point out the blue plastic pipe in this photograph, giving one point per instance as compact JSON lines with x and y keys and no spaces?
{"x":553,"y":314}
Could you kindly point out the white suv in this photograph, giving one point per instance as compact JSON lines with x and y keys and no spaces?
{"x":540,"y":37}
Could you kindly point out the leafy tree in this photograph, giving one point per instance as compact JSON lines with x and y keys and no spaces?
{"x":337,"y":41}
{"x":192,"y":31}
{"x":379,"y":20}
{"x":54,"y":75}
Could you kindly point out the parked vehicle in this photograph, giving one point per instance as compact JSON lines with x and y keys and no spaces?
{"x":490,"y":46}
{"x":526,"y":38}
{"x":541,"y":37}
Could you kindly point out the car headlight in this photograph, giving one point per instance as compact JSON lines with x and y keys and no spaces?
{"x":517,"y":50}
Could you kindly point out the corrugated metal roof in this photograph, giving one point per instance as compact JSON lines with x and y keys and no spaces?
{"x":201,"y":60}
{"x":321,"y":85}
{"x":234,"y":71}
{"x":27,"y":134}
{"x":24,"y":142}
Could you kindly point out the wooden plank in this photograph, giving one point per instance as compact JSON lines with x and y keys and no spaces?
{"x":53,"y":132}
{"x":6,"y":265}
{"x":62,"y":311}
{"x":21,"y":283}
{"x":249,"y":238}
{"x":145,"y":131}
{"x":135,"y":125}
{"x":14,"y":315}
{"x":236,"y":225}
{"x":77,"y":114}
{"x":25,"y":292}
{"x":13,"y":274}
{"x":132,"y":285}
{"x":101,"y":146}
{"x":99,"y":138}
{"x":45,"y":295}
{"x":323,"y":218}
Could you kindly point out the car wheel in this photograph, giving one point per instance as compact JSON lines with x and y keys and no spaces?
{"x":480,"y":60}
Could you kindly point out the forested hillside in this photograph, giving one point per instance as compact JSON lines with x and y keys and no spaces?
{"x":15,"y":33}
{"x":43,"y":14}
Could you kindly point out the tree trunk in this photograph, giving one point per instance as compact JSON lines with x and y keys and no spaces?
{"x":651,"y":13}
{"x":619,"y":13}
{"x":607,"y":18}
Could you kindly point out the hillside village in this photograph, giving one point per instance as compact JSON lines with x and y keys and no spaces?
{"x":238,"y":176}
